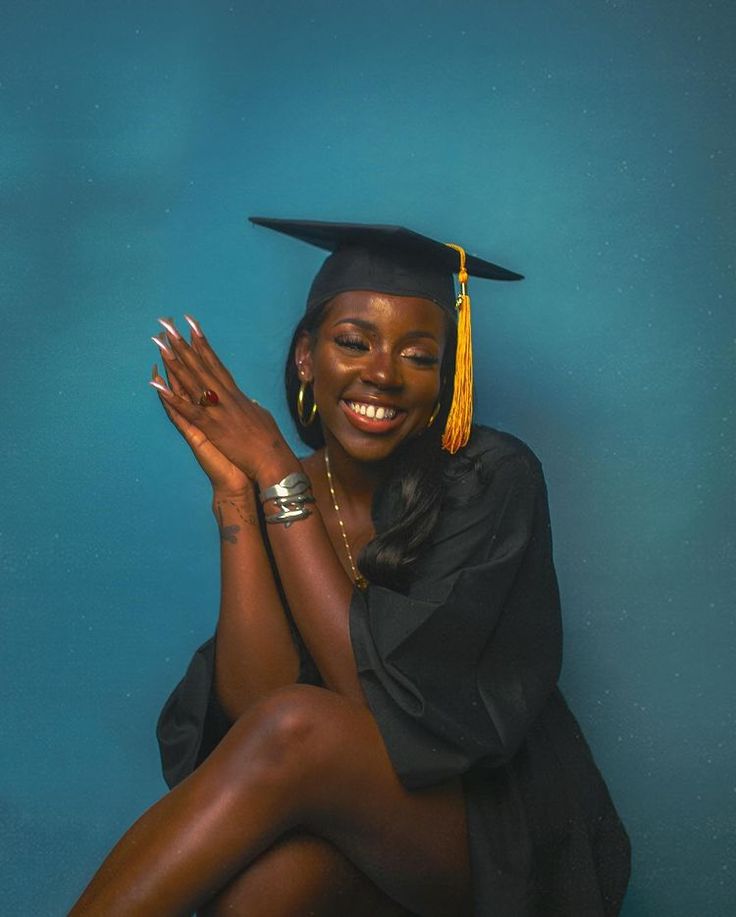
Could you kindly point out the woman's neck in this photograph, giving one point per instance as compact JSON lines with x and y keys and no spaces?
{"x":356,"y":482}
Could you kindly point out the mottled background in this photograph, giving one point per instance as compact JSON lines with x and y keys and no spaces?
{"x":589,"y":145}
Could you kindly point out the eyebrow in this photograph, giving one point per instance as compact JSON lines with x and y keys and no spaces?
{"x":369,"y":326}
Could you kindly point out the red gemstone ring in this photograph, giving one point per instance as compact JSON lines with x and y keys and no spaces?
{"x":208,"y":397}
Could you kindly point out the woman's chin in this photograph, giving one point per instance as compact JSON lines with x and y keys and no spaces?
{"x":369,"y":448}
{"x":370,"y":452}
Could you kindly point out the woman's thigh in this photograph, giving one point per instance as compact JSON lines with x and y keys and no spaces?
{"x":302,"y":875}
{"x":328,"y":758}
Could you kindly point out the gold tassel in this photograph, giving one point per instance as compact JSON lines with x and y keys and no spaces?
{"x":460,"y":418}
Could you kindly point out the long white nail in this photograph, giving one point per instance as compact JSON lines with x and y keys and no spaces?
{"x":162,"y":344}
{"x":169,"y":326}
{"x":159,"y":386}
{"x":194,"y":325}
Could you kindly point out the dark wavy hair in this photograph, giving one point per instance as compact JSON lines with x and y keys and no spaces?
{"x":416,"y":480}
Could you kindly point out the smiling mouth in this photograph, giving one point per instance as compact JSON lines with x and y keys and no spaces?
{"x":372,"y":411}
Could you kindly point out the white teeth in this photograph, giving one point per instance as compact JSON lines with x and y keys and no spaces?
{"x":370,"y":410}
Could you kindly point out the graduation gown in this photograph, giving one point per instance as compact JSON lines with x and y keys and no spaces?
{"x":461,"y":674}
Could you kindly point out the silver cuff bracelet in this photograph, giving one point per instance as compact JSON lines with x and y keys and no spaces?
{"x":290,"y":496}
{"x":293,"y":485}
{"x":288,"y":516}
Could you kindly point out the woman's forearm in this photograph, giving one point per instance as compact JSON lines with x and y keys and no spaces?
{"x":255,"y":652}
{"x":318,"y":590}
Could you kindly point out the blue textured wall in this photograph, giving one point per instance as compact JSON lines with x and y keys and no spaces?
{"x":588,"y":144}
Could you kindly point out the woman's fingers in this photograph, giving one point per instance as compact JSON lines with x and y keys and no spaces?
{"x":202,"y":347}
{"x":185,"y":371}
{"x":194,"y":367}
{"x":180,"y":409}
{"x":183,"y":367}
{"x":159,"y":383}
{"x":166,"y":352}
{"x":174,"y":384}
{"x":199,"y":356}
{"x":210,"y":358}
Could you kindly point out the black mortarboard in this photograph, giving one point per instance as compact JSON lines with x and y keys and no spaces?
{"x":395,"y":260}
{"x":385,"y":259}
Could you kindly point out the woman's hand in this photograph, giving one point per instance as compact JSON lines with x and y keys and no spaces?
{"x":235,"y":439}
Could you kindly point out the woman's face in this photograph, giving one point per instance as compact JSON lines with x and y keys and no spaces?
{"x":375,"y":367}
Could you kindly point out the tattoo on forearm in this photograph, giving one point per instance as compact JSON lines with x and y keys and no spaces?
{"x":229,"y":532}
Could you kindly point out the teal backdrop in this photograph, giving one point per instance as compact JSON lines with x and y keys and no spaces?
{"x":589,"y":145}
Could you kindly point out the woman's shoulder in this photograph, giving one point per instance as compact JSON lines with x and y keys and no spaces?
{"x":489,"y":451}
{"x":492,"y":496}
{"x":498,"y":445}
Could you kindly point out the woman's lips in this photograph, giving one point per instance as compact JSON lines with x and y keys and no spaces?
{"x":365,"y":416}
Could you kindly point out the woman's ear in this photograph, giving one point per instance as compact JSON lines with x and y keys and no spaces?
{"x":303,"y":357}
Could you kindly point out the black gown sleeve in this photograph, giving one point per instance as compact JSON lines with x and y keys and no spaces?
{"x":192,"y":720}
{"x":456,"y":670}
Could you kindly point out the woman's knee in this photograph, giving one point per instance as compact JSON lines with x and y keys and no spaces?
{"x":287,"y":731}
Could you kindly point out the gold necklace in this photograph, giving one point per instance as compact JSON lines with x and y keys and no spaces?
{"x":360,"y":581}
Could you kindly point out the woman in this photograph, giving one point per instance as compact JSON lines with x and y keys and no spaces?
{"x":375,"y":728}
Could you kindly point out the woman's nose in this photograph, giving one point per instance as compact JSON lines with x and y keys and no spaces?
{"x":382,"y":370}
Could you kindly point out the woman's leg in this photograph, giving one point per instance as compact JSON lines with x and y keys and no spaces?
{"x":301,"y":875}
{"x":303,"y":757}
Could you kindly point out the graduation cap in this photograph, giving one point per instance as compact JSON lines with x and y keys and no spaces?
{"x":400,"y":262}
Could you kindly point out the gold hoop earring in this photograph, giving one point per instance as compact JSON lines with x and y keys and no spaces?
{"x":300,"y":407}
{"x":435,"y":412}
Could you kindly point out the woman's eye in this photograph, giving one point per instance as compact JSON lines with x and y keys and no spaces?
{"x":420,"y":357}
{"x":352,"y":342}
